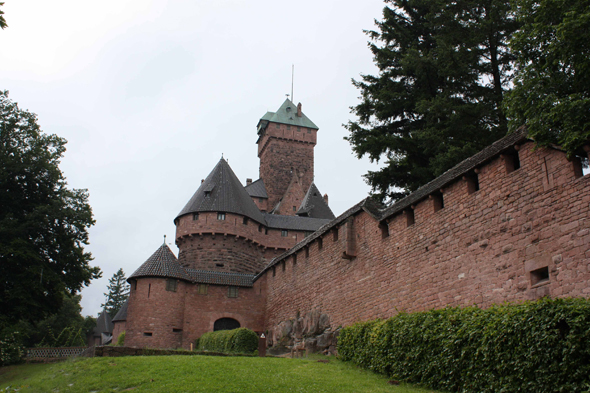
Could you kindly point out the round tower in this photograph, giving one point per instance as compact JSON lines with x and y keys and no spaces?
{"x":155,"y":312}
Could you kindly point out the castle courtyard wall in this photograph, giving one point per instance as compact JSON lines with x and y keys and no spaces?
{"x":523,"y":235}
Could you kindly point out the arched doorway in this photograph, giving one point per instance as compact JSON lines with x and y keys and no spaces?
{"x":225,"y":324}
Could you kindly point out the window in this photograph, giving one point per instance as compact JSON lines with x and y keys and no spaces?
{"x":298,"y":129}
{"x":284,"y":233}
{"x":320,"y":244}
{"x":174,"y":330}
{"x":245,"y":221}
{"x":202,"y":289}
{"x":307,"y":252}
{"x":438,"y":201}
{"x":147,"y":334}
{"x":309,"y":130}
{"x":277,"y":126}
{"x":540,"y":276}
{"x":409,"y":217}
{"x":283,"y":265}
{"x":219,"y":265}
{"x":274,"y":271}
{"x":259,"y":228}
{"x":232,"y":292}
{"x":384,"y":226}
{"x":149,"y":290}
{"x":294,"y":208}
{"x":580,"y":165}
{"x":266,"y":231}
{"x":195,"y":216}
{"x":221,"y":216}
{"x":288,"y":127}
{"x":472,"y":182}
{"x":511,"y":161}
{"x":294,"y":260}
{"x":171,"y":285}
{"x":335,"y":233}
{"x":135,"y":285}
{"x":260,"y":200}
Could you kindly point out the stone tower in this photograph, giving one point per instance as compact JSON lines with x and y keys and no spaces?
{"x":286,"y":139}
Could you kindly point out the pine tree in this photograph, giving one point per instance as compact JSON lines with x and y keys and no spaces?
{"x":443,"y":69}
{"x":118,"y":292}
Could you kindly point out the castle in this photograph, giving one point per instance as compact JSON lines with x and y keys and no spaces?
{"x":508,"y":224}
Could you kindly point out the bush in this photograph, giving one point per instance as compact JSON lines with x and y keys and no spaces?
{"x":239,"y":340}
{"x":11,"y":349}
{"x":121,"y":339}
{"x":541,"y":346}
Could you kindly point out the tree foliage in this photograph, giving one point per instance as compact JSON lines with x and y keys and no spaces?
{"x":43,"y":224}
{"x":3,"y":24}
{"x":437,"y":99}
{"x":118,"y":292}
{"x":551,"y":92}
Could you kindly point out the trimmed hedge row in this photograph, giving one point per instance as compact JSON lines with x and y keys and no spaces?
{"x":541,"y":346}
{"x":240,"y":340}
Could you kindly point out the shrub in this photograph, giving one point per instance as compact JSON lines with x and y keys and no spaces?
{"x":239,"y":340}
{"x":11,"y":349}
{"x":121,"y":339}
{"x":541,"y":346}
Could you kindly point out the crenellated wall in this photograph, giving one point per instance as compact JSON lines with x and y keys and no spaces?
{"x":523,"y":235}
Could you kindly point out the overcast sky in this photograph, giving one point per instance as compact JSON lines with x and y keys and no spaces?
{"x":150,"y":94}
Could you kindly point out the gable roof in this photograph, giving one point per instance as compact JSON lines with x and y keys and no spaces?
{"x":162,"y":263}
{"x":257,"y":189}
{"x":314,"y":205}
{"x":287,"y":114}
{"x":221,"y":191}
{"x":122,"y":313}
{"x":103,"y":324}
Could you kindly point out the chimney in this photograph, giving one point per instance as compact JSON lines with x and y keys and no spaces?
{"x":202,"y":181}
{"x":248,"y":182}
{"x":326,"y":198}
{"x":299,"y":110}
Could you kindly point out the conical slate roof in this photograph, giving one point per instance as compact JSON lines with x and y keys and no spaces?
{"x":222,"y":192}
{"x":162,"y":263}
{"x":122,"y":313}
{"x":314,"y":205}
{"x":103,"y":324}
{"x":287,"y":114}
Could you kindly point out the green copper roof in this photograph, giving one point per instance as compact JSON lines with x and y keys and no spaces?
{"x":287,"y":114}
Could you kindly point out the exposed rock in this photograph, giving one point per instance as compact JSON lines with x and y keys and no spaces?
{"x":324,"y":322}
{"x":310,"y":345}
{"x":324,"y":340}
{"x":298,"y":328}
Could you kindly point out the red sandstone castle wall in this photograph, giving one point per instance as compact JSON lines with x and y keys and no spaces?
{"x":154,"y":310}
{"x":479,"y":249}
{"x":201,"y":311}
{"x":118,"y":328}
{"x":244,"y":248}
{"x":281,"y":151}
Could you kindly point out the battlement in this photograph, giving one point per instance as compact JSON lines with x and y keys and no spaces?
{"x":509,"y":224}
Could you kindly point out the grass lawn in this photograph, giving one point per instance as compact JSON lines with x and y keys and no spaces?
{"x":196,"y":374}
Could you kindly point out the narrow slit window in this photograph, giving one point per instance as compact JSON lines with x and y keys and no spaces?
{"x":384,"y":227}
{"x":438,"y":201}
{"x":274,"y":271}
{"x":409,"y":217}
{"x":294,"y":260}
{"x":335,"y":233}
{"x":283,"y":265}
{"x":307,"y":252}
{"x":320,"y":244}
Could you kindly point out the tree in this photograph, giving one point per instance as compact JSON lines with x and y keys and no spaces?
{"x":43,"y":224}
{"x":3,"y":24}
{"x":551,"y":92}
{"x":443,"y":70}
{"x":118,"y":292}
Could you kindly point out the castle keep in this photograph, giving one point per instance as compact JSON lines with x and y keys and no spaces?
{"x":508,"y":224}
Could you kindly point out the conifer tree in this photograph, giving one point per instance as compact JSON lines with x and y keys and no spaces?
{"x":118,"y":292}
{"x":437,"y":99}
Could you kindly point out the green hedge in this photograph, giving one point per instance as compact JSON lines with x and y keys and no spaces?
{"x":541,"y":346}
{"x":239,"y":340}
